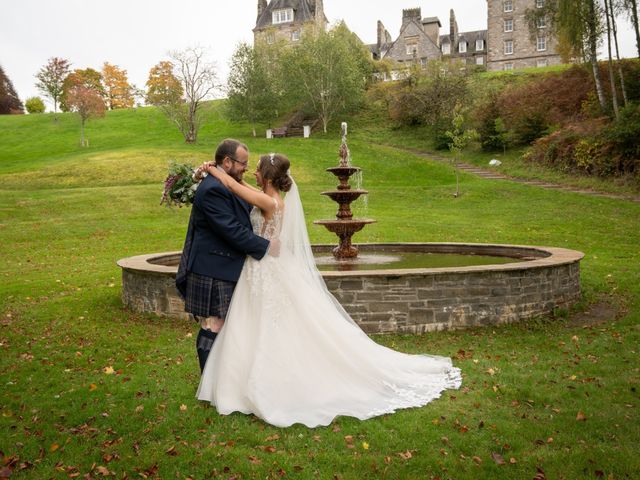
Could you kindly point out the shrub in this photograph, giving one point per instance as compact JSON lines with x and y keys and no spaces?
{"x":34,"y":105}
{"x":623,"y":136}
{"x":535,"y":108}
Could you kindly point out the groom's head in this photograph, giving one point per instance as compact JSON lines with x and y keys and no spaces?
{"x":233,"y":157}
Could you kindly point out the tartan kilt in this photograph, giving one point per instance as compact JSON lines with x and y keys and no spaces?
{"x":208,"y":297}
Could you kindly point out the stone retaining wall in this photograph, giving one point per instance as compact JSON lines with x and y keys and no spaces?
{"x":408,"y":300}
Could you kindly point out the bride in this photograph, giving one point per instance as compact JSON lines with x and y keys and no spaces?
{"x":288,"y":352}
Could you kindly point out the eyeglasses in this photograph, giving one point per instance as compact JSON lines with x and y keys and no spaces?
{"x":244,"y":164}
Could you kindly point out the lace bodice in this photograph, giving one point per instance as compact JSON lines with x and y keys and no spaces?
{"x":268,"y":229}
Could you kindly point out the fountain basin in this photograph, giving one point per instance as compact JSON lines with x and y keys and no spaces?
{"x":406,"y":300}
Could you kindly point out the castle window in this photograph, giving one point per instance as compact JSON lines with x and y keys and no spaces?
{"x":446,"y":48}
{"x":508,"y":5}
{"x":283,"y":15}
{"x":508,"y":47}
{"x":295,"y":35}
{"x":479,"y":44}
{"x":539,"y":3}
{"x":541,"y":22}
{"x":462,"y":47}
{"x":507,"y":66}
{"x":479,"y":60}
{"x":411,"y":44}
{"x":541,"y":44}
{"x":508,"y":25}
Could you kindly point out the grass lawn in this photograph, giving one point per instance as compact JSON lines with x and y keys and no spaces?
{"x":91,"y":390}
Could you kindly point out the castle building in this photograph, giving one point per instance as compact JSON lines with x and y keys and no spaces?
{"x":285,"y":19}
{"x":510,"y":41}
{"x":506,"y":43}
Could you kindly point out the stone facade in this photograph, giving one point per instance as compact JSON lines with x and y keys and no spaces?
{"x":286,"y":19}
{"x":510,"y":45}
{"x":506,"y":44}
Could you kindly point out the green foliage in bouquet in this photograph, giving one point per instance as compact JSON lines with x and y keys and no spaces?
{"x":179,"y":186}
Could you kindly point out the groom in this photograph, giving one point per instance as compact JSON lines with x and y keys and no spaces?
{"x":219,"y":238}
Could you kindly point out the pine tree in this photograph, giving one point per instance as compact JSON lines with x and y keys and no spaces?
{"x":9,"y":101}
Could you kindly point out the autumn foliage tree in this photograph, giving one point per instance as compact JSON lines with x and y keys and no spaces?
{"x":89,"y":78}
{"x":88,"y":103}
{"x":163,"y":88}
{"x":118,"y":92}
{"x":51,"y":78}
{"x":9,"y":101}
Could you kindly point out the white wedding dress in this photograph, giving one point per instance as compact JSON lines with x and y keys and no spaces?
{"x":289,"y":353}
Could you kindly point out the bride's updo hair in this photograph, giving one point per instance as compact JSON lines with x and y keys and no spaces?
{"x":275,"y":167}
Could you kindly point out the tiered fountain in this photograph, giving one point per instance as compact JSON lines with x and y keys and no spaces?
{"x":396,"y":287}
{"x":344,"y":226}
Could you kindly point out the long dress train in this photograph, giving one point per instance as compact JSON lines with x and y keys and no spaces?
{"x":289,"y":353}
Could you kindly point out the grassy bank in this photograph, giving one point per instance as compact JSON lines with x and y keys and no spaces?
{"x":90,"y":389}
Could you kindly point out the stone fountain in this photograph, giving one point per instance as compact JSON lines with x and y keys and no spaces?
{"x":344,"y":225}
{"x":515,"y":282}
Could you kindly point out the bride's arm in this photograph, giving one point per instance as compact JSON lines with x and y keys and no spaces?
{"x":250,"y":194}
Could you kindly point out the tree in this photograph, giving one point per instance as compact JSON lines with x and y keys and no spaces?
{"x":252,"y":93}
{"x":327,"y":72}
{"x":89,"y":78}
{"x":429,"y":97}
{"x":459,"y":137}
{"x":116,"y":86}
{"x":50,"y":79}
{"x":163,"y":88}
{"x":198,"y":81}
{"x":578,"y":26}
{"x":9,"y":101}
{"x":34,"y":105}
{"x":88,"y":103}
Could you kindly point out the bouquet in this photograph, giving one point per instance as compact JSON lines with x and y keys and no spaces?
{"x":180,"y":185}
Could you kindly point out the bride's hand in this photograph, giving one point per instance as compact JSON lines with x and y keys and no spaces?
{"x":211,"y":169}
{"x":198,"y":173}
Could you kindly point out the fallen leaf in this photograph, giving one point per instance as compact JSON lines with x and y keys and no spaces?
{"x":254,"y":460}
{"x":477,"y":460}
{"x":139,"y":408}
{"x":272,"y":438}
{"x":172,"y":451}
{"x":498,"y":458}
{"x":92,"y":387}
{"x":104,"y":471}
{"x":365,"y":445}
{"x":512,"y":460}
{"x":406,"y":455}
{"x":109,"y":370}
{"x":491,"y":371}
{"x":183,"y":408}
{"x":580,"y":417}
{"x":54,"y":447}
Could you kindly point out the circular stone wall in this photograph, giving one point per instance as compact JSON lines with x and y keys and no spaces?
{"x":415,"y":300}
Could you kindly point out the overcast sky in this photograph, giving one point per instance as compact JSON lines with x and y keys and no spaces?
{"x":137,"y":34}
